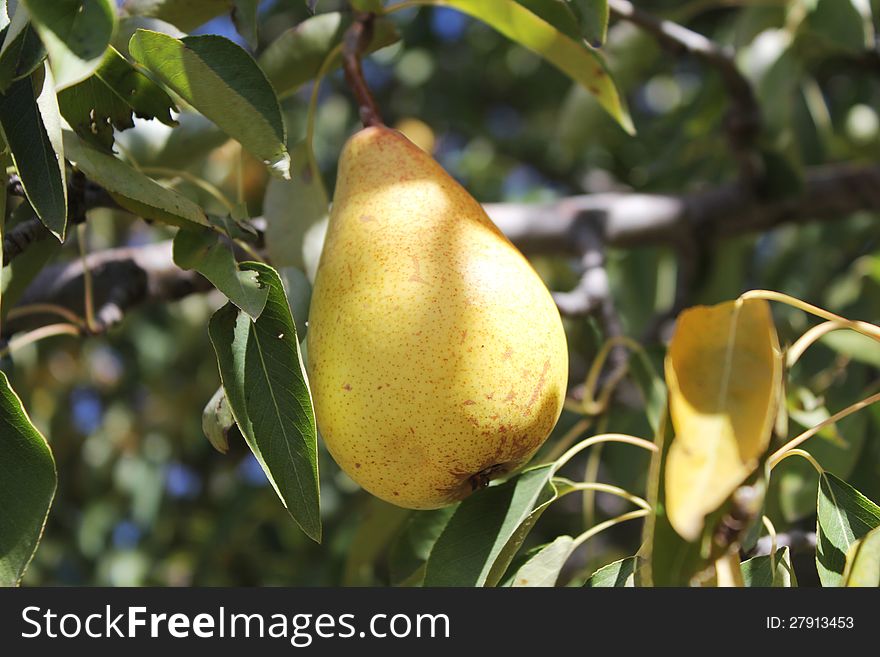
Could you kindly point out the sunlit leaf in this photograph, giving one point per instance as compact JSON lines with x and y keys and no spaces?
{"x":619,"y":574}
{"x":266,"y":386}
{"x":844,"y":516}
{"x":75,"y":32}
{"x":27,"y":486}
{"x":724,"y":373}
{"x":757,"y":572}
{"x":575,"y":59}
{"x":486,"y":530}
{"x":863,"y":561}
{"x":223,"y":82}
{"x":130,"y":188}
{"x":542,"y":569}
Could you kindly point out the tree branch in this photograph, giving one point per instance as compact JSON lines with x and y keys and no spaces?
{"x":122,"y":279}
{"x":743,"y":120}
{"x":582,"y":226}
{"x":630,"y":219}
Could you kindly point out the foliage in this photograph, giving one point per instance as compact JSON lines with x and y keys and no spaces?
{"x":171,"y":143}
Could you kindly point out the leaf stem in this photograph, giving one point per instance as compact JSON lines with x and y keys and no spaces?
{"x":804,"y":454}
{"x":46,"y":308}
{"x":47,"y":331}
{"x":189,"y":177}
{"x":809,"y":338}
{"x":595,"y":486}
{"x":602,"y":526}
{"x":771,"y":531}
{"x":88,"y":292}
{"x":603,"y":438}
{"x":809,"y":433}
{"x":865,"y":328}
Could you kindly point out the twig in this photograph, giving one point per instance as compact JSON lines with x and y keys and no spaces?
{"x":743,"y":120}
{"x":354,"y":43}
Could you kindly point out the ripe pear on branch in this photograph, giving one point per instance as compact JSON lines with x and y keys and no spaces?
{"x":436,"y":355}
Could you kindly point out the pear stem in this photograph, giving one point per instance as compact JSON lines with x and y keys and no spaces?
{"x":355,"y":42}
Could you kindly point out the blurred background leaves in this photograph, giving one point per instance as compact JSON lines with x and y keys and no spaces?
{"x":143,"y":498}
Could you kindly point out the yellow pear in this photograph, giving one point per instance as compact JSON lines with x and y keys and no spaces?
{"x":436,"y":355}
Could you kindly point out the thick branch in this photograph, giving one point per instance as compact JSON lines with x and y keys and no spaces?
{"x":122,"y":279}
{"x":627,"y":220}
{"x":582,"y":226}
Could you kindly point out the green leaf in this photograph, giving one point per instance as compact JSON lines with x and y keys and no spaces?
{"x":669,"y":560}
{"x":203,"y":250}
{"x":542,"y":569}
{"x":223,"y":82}
{"x":593,"y":16}
{"x":863,"y":561}
{"x":130,"y":188}
{"x":27,"y":486}
{"x":107,"y":99}
{"x":244,"y":16}
{"x":487,"y":528}
{"x":615,"y":575}
{"x":411,"y":548}
{"x":373,"y":6}
{"x":75,"y":32}
{"x":217,"y":421}
{"x":853,"y":345}
{"x":22,"y":50}
{"x":379,"y":524}
{"x":652,"y":387}
{"x":128,"y":25}
{"x":31,"y":127}
{"x":574,"y":58}
{"x":561,"y":14}
{"x":838,"y":24}
{"x":297,"y":54}
{"x":294,"y":210}
{"x":844,"y":516}
{"x":184,"y":14}
{"x":757,"y":572}
{"x":299,"y":296}
{"x":266,"y":386}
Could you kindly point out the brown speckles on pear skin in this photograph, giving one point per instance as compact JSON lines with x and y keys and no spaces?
{"x":538,"y":387}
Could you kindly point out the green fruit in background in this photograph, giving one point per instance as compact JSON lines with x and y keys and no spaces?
{"x":436,"y":355}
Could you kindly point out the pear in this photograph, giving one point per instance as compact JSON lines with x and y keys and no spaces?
{"x":436,"y":355}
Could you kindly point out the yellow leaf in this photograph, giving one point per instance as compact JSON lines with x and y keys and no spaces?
{"x":724,"y":373}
